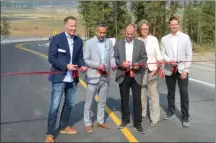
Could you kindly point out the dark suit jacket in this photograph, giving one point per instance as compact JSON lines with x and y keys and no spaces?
{"x":139,"y":56}
{"x":59,"y":56}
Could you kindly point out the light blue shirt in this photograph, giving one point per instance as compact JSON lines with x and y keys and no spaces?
{"x":101,"y":46}
{"x":68,"y":77}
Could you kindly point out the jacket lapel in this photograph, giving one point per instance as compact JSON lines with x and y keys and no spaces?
{"x":124,"y":50}
{"x":171,"y":47}
{"x":75,"y":46}
{"x":134,"y":50}
{"x":106,"y":44}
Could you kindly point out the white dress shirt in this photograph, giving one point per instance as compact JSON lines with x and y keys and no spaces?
{"x":129,"y":50}
{"x":174,"y":43}
{"x":101,"y":45}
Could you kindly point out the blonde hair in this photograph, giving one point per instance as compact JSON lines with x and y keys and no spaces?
{"x":140,"y":24}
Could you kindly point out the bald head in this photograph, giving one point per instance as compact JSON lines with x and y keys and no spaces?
{"x":130,"y":32}
{"x":130,"y":27}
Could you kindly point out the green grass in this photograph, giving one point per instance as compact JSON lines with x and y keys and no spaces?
{"x":204,"y":48}
{"x":45,"y":18}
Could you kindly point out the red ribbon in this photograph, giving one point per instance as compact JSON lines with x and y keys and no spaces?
{"x":130,"y":71}
{"x":174,"y":69}
{"x":101,"y":72}
{"x":25,"y":73}
{"x":76,"y":73}
{"x":160,"y":71}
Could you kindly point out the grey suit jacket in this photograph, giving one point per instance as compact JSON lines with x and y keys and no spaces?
{"x":184,"y":52}
{"x":92,"y":58}
{"x":139,"y":56}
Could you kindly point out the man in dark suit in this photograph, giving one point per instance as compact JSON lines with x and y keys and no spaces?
{"x":129,"y":54}
{"x":65,"y":55}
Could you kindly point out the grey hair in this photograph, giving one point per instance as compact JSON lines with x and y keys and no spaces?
{"x":140,"y":24}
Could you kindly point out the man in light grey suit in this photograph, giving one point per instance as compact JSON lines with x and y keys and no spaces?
{"x":176,"y":47}
{"x":99,"y":58}
{"x":130,"y":54}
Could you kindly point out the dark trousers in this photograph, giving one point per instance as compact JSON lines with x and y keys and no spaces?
{"x":125,"y":86}
{"x":183,"y":88}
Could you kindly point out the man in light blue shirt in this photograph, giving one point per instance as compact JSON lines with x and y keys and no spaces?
{"x":98,"y":57}
{"x":65,"y":55}
{"x":101,"y":46}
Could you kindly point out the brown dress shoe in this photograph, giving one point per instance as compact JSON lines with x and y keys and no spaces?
{"x":68,"y":130}
{"x":89,"y":129}
{"x":103,"y":125}
{"x":50,"y":139}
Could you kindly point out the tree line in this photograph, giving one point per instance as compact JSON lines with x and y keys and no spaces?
{"x":197,"y":18}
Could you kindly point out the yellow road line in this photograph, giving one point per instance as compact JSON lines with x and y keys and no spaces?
{"x":130,"y":137}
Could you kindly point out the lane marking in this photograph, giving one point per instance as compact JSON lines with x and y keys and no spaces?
{"x":126,"y":132}
{"x":202,"y":82}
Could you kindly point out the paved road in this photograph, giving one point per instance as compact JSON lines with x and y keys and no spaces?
{"x":25,"y":101}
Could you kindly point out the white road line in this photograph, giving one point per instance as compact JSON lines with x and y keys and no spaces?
{"x":202,"y":82}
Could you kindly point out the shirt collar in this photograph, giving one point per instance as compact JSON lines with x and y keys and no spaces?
{"x":68,"y":36}
{"x":128,"y":42}
{"x":100,"y":41}
{"x":177,"y":34}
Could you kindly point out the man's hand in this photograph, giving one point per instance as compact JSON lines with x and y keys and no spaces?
{"x":126,"y":64}
{"x":173,"y":63}
{"x":71,"y":67}
{"x":183,"y":75}
{"x":136,"y":66}
{"x":114,"y":68}
{"x":83,"y":69}
{"x":101,"y":67}
{"x":159,"y":63}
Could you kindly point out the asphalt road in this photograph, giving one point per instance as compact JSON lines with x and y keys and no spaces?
{"x":25,"y":100}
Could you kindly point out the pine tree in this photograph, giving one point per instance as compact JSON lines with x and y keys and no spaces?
{"x":114,"y":14}
{"x":153,"y":11}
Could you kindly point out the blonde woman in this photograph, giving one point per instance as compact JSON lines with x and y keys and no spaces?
{"x":150,"y":81}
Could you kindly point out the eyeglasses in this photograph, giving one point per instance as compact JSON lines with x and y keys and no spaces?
{"x":142,"y":29}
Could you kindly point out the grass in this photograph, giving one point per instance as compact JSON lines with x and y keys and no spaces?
{"x":203,"y":48}
{"x":42,"y":25}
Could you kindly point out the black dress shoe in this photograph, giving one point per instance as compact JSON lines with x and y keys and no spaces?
{"x":140,"y":129}
{"x":122,"y":125}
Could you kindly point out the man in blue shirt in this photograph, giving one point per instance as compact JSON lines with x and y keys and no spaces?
{"x":65,"y":55}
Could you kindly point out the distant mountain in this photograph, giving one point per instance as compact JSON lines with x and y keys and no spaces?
{"x":44,"y":2}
